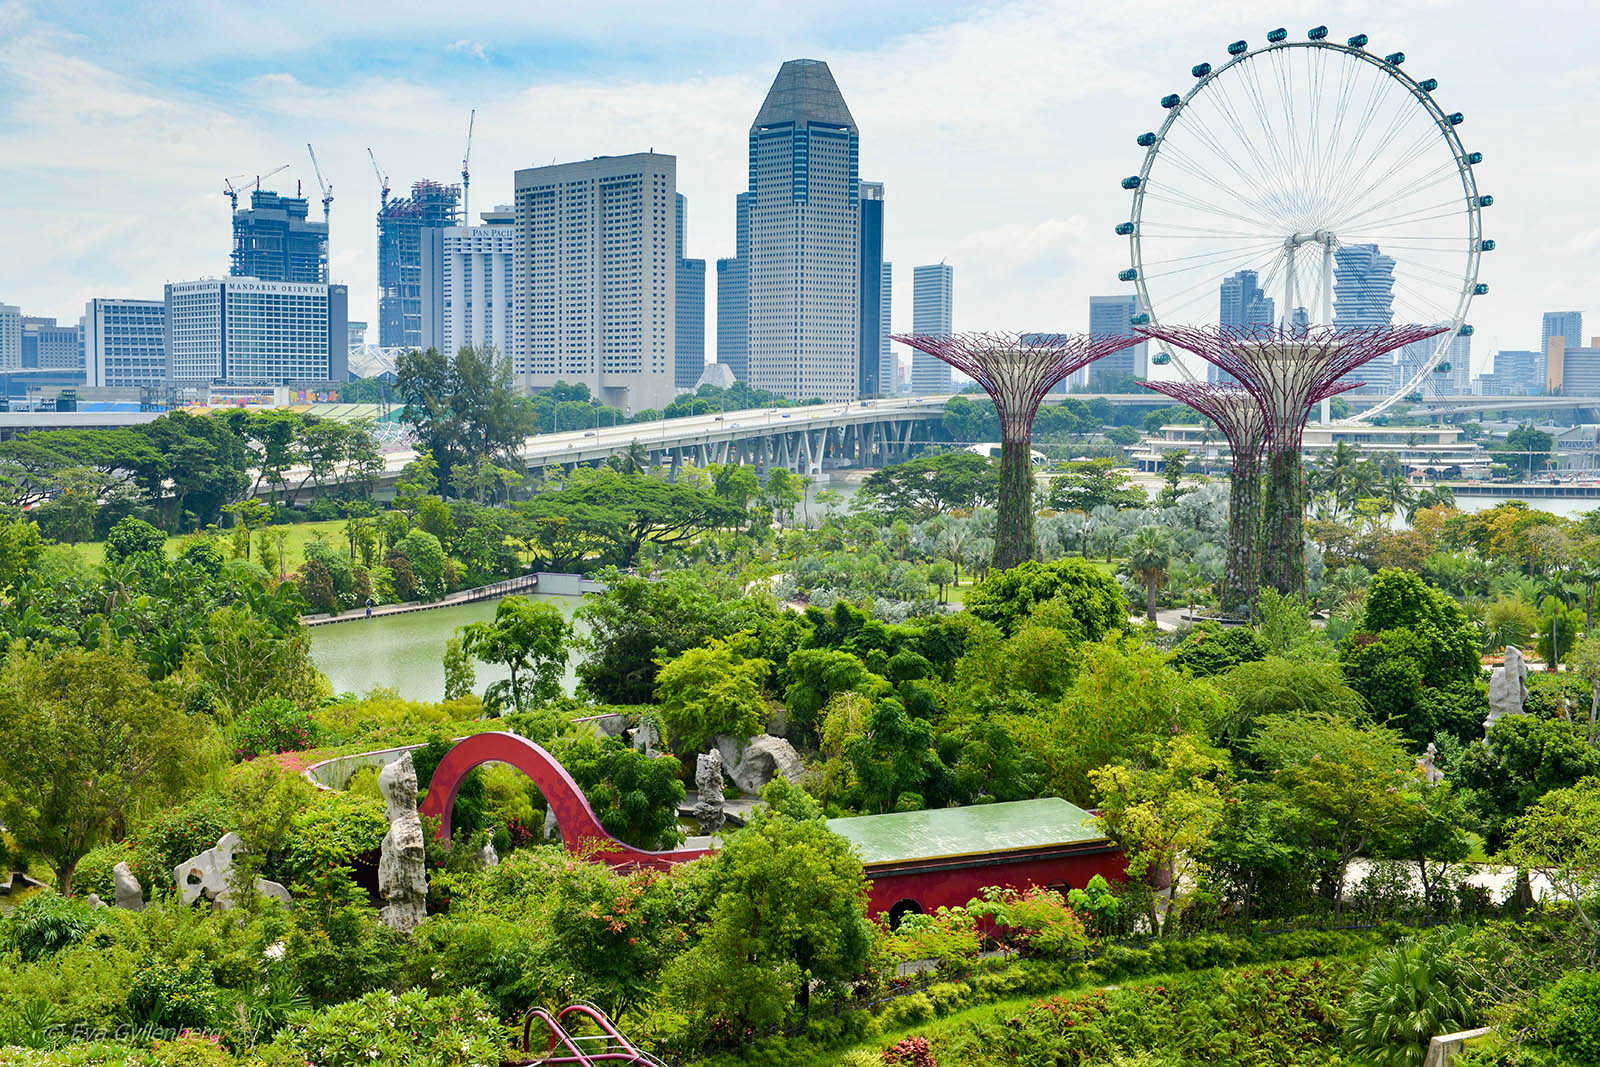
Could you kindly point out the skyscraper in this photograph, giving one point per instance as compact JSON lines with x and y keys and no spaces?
{"x":125,"y":342}
{"x":1567,"y":325}
{"x":1113,"y":315}
{"x":10,"y":337}
{"x":400,"y":226}
{"x":256,"y":332}
{"x":1363,"y":286}
{"x":1363,"y":295}
{"x":888,"y":379}
{"x":804,"y":278}
{"x":1243,"y":303}
{"x":596,"y":277}
{"x":274,"y":240}
{"x":49,"y":346}
{"x":466,"y":284}
{"x":689,"y":345}
{"x":869,"y":371}
{"x":733,"y":296}
{"x":932,"y":297}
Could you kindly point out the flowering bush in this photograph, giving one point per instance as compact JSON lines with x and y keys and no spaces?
{"x":270,"y":727}
{"x":1035,"y":923}
{"x":912,"y":1052}
{"x":399,"y":1030}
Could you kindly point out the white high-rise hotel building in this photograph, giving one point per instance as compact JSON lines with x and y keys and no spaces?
{"x":804,"y":279}
{"x":595,"y":277}
{"x":467,"y":296}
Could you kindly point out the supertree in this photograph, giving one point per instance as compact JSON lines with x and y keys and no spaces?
{"x":1287,"y":369}
{"x":1016,"y":370}
{"x":1237,"y":414}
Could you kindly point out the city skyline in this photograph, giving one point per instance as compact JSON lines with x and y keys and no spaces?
{"x":218,"y":93}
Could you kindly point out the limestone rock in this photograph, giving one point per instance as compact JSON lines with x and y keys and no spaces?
{"x":402,"y":870}
{"x":708,"y":784}
{"x":487,"y":856}
{"x":647,"y":738}
{"x":210,"y":876}
{"x":1430,"y":774}
{"x":130,"y":894}
{"x":552,"y":828}
{"x":1508,"y":689}
{"x":94,"y":902}
{"x":758,"y":762}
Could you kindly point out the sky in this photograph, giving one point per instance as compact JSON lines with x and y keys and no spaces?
{"x":1001,"y":130}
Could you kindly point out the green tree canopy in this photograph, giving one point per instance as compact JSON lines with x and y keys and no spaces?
{"x":1087,"y":484}
{"x":1093,"y":598}
{"x":930,"y":485}
{"x":711,"y":690}
{"x":532,"y":641}
{"x":86,"y":742}
{"x":463,"y":408}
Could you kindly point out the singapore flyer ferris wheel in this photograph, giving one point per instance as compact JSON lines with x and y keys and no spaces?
{"x":1310,"y":182}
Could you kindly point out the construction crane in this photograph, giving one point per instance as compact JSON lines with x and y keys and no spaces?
{"x":230,"y":191}
{"x":327,"y":190}
{"x":383,"y":180}
{"x":262,"y":177}
{"x":466,"y":180}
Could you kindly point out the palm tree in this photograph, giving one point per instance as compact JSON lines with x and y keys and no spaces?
{"x":1149,"y":558}
{"x":1400,"y":495}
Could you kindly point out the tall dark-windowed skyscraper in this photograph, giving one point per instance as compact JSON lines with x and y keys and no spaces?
{"x":733,"y":296}
{"x":400,"y":226}
{"x":872,"y":374}
{"x":804,"y":278}
{"x":274,"y":240}
{"x":689,"y":340}
{"x":1244,"y":303}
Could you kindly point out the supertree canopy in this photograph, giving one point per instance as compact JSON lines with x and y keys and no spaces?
{"x":1288,"y":369}
{"x":1016,"y":370}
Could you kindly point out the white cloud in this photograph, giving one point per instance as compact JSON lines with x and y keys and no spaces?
{"x":471,"y":48}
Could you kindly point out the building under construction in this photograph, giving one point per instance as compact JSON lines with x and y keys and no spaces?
{"x":400,"y":226}
{"x":274,"y":240}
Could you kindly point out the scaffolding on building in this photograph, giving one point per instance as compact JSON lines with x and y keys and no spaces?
{"x":400,"y":226}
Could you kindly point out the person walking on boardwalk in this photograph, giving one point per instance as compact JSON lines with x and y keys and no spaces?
{"x":369,"y":607}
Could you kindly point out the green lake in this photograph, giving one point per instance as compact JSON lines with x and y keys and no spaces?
{"x":406,"y":651}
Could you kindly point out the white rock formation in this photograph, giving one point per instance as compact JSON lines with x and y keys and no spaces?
{"x":130,"y":894}
{"x":210,"y":875}
{"x":758,"y":761}
{"x":402,"y":870}
{"x":1508,"y":688}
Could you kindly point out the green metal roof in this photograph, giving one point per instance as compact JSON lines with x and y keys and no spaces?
{"x":943,"y":832}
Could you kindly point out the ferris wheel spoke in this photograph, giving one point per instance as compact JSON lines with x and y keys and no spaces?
{"x":1223,"y":99}
{"x":1358,"y":186}
{"x":1441,"y":175}
{"x":1246,"y":204}
{"x":1249,"y":250}
{"x":1166,"y":194}
{"x":1347,"y":85}
{"x":1401,"y":209}
{"x":1210,"y":140}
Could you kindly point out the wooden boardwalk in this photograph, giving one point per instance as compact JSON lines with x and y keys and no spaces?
{"x":527,"y":583}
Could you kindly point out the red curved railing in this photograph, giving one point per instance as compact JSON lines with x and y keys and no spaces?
{"x":615,"y":1047}
{"x":579,"y":825}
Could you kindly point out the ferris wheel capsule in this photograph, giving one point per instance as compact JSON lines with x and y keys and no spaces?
{"x":1279,"y":34}
{"x":1486,"y":245}
{"x":1129,"y":275}
{"x":1200,"y":70}
{"x":1485,"y":200}
{"x":1480,"y":289}
{"x":1358,"y":41}
{"x":1131,"y":182}
{"x":1474,"y":158}
{"x":1161,"y":359}
{"x":1145,"y":140}
{"x":1171,"y":100}
{"x":1455,"y":118}
{"x":1317,"y":33}
{"x":1394,"y":59}
{"x":1238,"y":48}
{"x":1140,"y":319}
{"x":1125,"y":229}
{"x":1465,"y":331}
{"x":1428,"y":85}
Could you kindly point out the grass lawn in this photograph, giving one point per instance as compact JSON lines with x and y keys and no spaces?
{"x":300,"y":534}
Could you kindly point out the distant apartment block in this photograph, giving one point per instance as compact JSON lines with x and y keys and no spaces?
{"x":932,"y":313}
{"x":46,"y":345}
{"x":125,"y":343}
{"x":10,"y":337}
{"x":595,"y":277}
{"x":252,"y":332}
{"x":1567,"y":325}
{"x":1242,"y":303}
{"x":870,"y":297}
{"x":467,"y":292}
{"x":1113,"y":315}
{"x":1514,"y":373}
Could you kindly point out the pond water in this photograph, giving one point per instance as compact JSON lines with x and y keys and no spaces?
{"x":407,"y":651}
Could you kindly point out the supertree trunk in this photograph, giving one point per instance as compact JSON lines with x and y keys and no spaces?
{"x":1283,"y":549}
{"x":1243,"y":576}
{"x":1016,"y":370}
{"x":1014,"y":540}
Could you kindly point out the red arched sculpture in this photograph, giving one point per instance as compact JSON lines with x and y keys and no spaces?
{"x":577,"y":820}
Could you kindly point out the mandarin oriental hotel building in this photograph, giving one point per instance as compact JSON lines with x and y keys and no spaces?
{"x":249,"y":331}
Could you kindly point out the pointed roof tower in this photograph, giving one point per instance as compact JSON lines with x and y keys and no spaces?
{"x":803,"y":92}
